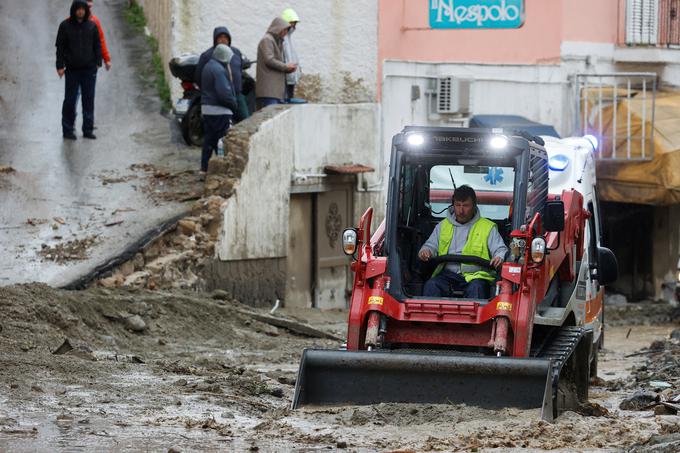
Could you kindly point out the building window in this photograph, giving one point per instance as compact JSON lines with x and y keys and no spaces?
{"x":642,"y":22}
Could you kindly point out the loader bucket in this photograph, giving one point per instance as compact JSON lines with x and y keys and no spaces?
{"x":333,"y":377}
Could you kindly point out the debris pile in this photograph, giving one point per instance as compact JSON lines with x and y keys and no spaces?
{"x":646,"y":313}
{"x":160,"y":184}
{"x":176,"y":259}
{"x":76,"y":249}
{"x":163,"y":185}
{"x":658,"y":379}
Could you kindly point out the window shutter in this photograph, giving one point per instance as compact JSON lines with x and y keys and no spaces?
{"x":633,"y":21}
{"x":642,"y":21}
{"x":650,"y":21}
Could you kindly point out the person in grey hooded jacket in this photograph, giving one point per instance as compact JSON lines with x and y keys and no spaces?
{"x":221,"y":35}
{"x":469,"y":234}
{"x":218,"y":100}
{"x":271,"y":69}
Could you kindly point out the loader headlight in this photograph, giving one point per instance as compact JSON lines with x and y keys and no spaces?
{"x":415,"y":139}
{"x":538,"y":250}
{"x":499,"y":142}
{"x":349,"y":241}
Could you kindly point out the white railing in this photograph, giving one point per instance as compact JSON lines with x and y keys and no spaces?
{"x":618,"y":109}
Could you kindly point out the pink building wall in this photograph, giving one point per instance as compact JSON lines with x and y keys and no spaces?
{"x":598,"y":21}
{"x":404,"y":33}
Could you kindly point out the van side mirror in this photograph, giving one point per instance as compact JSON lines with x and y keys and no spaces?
{"x":608,"y":266}
{"x":553,"y":218}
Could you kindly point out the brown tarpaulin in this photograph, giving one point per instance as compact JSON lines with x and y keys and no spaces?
{"x":654,"y":182}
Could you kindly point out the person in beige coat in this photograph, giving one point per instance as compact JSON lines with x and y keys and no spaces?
{"x":270,"y":86}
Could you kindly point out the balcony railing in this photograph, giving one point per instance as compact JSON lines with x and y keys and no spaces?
{"x":618,"y":109}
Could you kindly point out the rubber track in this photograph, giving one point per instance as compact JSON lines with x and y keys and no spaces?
{"x":559,"y":349}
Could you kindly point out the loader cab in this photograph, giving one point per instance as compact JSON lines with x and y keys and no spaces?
{"x":508,"y":173}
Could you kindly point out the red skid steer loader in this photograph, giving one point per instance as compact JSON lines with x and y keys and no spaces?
{"x":532,"y":344}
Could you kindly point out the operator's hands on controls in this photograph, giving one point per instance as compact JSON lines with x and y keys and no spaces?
{"x":425,"y":255}
{"x":496,"y":261}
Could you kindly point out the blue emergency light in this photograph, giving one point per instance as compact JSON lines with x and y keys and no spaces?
{"x":558,"y":162}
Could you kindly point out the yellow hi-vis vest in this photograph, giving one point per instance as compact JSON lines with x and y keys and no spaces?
{"x":476,"y":245}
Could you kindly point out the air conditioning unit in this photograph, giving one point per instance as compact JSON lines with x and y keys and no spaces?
{"x":453,"y":95}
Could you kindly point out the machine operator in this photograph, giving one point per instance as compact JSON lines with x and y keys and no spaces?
{"x":463,"y":232}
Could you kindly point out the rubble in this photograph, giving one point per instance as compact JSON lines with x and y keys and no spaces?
{"x":662,"y":443}
{"x":135,"y":323}
{"x":646,"y":313}
{"x":76,"y":249}
{"x":662,"y":367}
{"x":657,"y":380}
{"x":640,"y":400}
{"x":615,"y":299}
{"x":176,"y":259}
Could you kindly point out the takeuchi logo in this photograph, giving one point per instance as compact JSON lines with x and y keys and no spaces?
{"x":479,"y":13}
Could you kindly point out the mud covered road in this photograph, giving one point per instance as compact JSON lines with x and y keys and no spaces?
{"x":66,"y":206}
{"x":155,"y":371}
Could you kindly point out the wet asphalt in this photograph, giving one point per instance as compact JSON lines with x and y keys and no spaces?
{"x":83,"y":184}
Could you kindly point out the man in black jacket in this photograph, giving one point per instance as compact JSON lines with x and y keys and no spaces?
{"x":221,"y":35}
{"x":79,"y":54}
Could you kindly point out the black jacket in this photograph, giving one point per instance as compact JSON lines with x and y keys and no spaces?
{"x":78,"y":45}
{"x":236,"y":62}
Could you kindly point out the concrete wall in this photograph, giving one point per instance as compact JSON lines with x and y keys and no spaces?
{"x":335,"y":40}
{"x":294,"y":145}
{"x":256,"y":215}
{"x":160,"y":22}
{"x":255,"y":282}
{"x":285,"y":152}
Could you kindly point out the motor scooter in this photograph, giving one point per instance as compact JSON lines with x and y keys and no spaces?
{"x":187,"y":109}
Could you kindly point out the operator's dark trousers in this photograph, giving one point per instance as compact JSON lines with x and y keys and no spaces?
{"x":83,"y":81}
{"x":446,"y":281}
{"x":214,"y":128}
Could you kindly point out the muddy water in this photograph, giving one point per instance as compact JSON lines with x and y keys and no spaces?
{"x":625,"y":340}
{"x":214,"y":381}
{"x":618,"y":358}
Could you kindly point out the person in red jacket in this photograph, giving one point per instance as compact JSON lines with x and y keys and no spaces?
{"x":105,"y":51}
